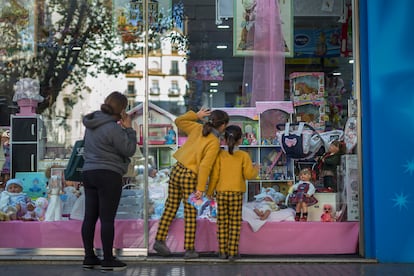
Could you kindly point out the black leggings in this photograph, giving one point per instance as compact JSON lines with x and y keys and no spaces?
{"x":102,"y":194}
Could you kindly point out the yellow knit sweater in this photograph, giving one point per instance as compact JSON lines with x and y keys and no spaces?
{"x":231,"y":171}
{"x":198,"y":153}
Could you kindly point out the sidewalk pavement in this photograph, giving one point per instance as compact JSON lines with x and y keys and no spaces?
{"x":154,"y":266}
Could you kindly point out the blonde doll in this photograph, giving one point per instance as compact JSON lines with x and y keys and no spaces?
{"x":54,"y":209}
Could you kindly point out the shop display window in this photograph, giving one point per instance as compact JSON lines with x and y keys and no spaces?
{"x":313,"y":93}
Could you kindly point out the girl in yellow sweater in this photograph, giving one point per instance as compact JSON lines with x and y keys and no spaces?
{"x":195,"y":160}
{"x":228,"y":180}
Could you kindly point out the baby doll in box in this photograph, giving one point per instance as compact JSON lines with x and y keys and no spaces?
{"x":13,"y":201}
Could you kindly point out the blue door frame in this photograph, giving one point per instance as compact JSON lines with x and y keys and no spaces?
{"x":387,"y":122}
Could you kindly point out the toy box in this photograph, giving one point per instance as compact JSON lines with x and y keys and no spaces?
{"x":307,"y":91}
{"x":349,"y":185}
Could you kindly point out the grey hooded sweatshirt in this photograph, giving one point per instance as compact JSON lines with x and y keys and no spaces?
{"x":108,"y":146}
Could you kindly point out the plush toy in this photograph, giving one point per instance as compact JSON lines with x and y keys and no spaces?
{"x":41,"y":206}
{"x":327,"y":215}
{"x":170,"y":137}
{"x":30,"y":214}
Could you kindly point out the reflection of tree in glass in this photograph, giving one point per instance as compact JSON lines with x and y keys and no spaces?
{"x":71,"y":36}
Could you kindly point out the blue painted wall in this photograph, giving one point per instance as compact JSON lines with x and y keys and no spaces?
{"x":387,"y":102}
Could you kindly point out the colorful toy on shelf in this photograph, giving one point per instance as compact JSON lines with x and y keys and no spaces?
{"x":307,"y":92}
{"x":41,"y":207}
{"x":170,"y":138}
{"x":327,"y":215}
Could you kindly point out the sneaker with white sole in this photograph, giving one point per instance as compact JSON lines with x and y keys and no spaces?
{"x":112,"y":265}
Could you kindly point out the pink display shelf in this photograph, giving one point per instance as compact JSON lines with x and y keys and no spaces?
{"x":273,"y":238}
{"x":253,"y":112}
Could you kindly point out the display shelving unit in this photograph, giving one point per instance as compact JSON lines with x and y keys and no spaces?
{"x":159,"y":121}
{"x":259,"y":128}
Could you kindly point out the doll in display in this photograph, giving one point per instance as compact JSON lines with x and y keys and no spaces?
{"x":78,"y":209}
{"x":41,"y":207}
{"x":69,"y":197}
{"x":327,"y":215}
{"x":5,"y":141}
{"x":267,"y":202}
{"x":31,"y":213}
{"x":170,"y":137}
{"x":54,"y":191}
{"x":301,"y":195}
{"x":13,"y":201}
{"x":328,"y":163}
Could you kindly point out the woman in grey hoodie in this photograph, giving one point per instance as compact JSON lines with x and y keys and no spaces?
{"x":109,"y":142}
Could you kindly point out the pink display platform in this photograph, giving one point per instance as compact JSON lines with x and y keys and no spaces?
{"x":273,"y":238}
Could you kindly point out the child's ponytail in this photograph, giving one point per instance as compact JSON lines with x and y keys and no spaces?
{"x":232,"y":135}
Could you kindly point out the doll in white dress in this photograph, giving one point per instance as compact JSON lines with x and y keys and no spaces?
{"x":70,"y":195}
{"x":78,"y":210}
{"x":54,"y":209}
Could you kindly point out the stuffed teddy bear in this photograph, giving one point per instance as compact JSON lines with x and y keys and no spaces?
{"x":327,"y":215}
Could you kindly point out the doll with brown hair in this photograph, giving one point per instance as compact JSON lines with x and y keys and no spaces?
{"x":328,"y":163}
{"x":301,"y":194}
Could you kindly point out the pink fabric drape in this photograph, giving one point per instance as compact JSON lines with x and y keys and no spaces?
{"x":264,"y":70}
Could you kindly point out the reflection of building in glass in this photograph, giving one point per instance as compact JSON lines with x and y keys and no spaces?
{"x":167,"y":63}
{"x":166,"y":72}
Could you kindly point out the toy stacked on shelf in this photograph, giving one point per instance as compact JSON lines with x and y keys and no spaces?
{"x":259,"y":127}
{"x":307,"y":91}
